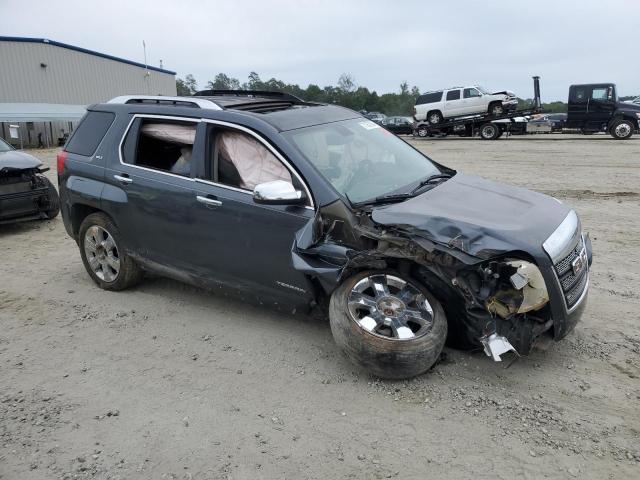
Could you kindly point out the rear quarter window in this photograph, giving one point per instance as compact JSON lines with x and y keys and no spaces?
{"x":90,"y":132}
{"x":429,"y":98}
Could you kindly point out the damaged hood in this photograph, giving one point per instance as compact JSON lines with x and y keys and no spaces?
{"x":477,"y":216}
{"x":509,"y":93}
{"x":15,"y":160}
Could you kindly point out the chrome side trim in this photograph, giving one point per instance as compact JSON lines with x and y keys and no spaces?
{"x":200,"y":102}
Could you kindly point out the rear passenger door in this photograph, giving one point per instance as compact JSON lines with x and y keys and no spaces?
{"x":237,"y":240}
{"x":149,"y":190}
{"x":453,"y":104}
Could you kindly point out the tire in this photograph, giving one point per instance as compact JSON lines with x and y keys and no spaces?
{"x":107,"y":254}
{"x":622,"y":129}
{"x":385,"y":351}
{"x":434,"y":117}
{"x":54,"y":200}
{"x":496,"y":108}
{"x":490,"y":131}
{"x":422,"y":131}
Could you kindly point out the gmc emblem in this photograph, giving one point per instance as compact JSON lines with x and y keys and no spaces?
{"x":580,"y":263}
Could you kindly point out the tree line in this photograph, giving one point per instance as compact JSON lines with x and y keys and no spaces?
{"x":345,"y":93}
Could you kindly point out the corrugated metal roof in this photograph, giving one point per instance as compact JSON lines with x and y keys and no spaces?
{"x":83,"y":50}
{"x":40,"y":112}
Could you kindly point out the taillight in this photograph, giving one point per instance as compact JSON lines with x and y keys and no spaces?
{"x":61,"y":157}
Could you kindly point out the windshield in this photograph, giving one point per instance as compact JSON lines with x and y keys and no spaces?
{"x":5,"y":147}
{"x":483,"y":90}
{"x":360,"y":159}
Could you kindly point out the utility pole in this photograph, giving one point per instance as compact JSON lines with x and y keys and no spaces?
{"x":146,"y":70}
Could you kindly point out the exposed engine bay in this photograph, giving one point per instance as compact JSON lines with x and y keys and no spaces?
{"x":494,"y":297}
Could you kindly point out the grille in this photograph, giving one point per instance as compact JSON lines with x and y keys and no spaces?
{"x":572,"y":285}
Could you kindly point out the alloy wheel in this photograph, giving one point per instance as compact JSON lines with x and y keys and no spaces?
{"x":390,"y":307}
{"x":102,"y":253}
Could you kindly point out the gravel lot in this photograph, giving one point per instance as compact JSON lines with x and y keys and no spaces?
{"x":167,"y":381}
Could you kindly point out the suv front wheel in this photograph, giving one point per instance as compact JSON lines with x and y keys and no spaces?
{"x":102,"y":254}
{"x":496,"y":109}
{"x":388,"y":324}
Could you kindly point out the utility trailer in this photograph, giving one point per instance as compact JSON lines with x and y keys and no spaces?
{"x":487,"y":126}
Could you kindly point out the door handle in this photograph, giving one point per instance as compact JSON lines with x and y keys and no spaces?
{"x":123,"y":180}
{"x":209,"y":202}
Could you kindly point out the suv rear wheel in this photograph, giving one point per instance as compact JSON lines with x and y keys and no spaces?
{"x":622,"y":129}
{"x":100,"y":248}
{"x":434,"y":117}
{"x":388,"y":324}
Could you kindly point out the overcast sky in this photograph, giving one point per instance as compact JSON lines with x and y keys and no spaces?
{"x":499,"y":44}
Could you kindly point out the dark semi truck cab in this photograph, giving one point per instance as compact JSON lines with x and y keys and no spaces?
{"x":595,"y":108}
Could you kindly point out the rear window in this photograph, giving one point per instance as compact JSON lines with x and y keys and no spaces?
{"x":429,"y":98}
{"x":90,"y":133}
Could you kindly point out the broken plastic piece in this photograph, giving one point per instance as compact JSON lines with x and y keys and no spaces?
{"x":519,"y":281}
{"x":495,"y":345}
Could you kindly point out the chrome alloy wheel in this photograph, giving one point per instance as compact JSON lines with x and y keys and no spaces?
{"x":102,"y":253}
{"x":389,"y":307}
{"x":623,"y":130}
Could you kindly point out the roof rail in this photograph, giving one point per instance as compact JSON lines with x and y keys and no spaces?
{"x":287,"y":97}
{"x":162,"y":100}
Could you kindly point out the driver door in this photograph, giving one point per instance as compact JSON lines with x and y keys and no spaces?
{"x":240,"y":242}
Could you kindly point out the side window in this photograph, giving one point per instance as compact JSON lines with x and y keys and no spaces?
{"x":429,"y":98}
{"x":239,"y":160}
{"x":90,"y":133}
{"x":453,"y":95}
{"x":471,"y":93}
{"x":164,"y":145}
{"x":579,"y":95}
{"x":599,"y":93}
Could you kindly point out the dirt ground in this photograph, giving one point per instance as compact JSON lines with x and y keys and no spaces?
{"x":167,"y":381}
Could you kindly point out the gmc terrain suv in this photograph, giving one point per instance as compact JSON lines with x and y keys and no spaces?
{"x":303,"y":204}
{"x":434,"y":107}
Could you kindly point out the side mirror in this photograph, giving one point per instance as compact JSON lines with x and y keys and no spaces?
{"x":277,"y":192}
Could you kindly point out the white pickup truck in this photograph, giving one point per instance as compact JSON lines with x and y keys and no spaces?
{"x":435,"y":106}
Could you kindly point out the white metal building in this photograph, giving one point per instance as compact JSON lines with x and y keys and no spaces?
{"x":38,"y":74}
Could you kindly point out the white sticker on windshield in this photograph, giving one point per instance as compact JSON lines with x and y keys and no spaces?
{"x":369,"y":125}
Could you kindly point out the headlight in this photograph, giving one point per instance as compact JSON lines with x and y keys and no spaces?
{"x":529,"y":279}
{"x":523,"y":291}
{"x":561,"y":237}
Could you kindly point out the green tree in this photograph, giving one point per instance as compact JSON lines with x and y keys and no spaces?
{"x":223,"y":82}
{"x":186,"y":87}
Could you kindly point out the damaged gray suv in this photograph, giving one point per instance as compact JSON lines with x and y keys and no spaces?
{"x":302,"y":204}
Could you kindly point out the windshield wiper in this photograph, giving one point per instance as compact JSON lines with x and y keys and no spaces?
{"x":398,"y":197}
{"x":428,"y":180}
{"x":392,"y":197}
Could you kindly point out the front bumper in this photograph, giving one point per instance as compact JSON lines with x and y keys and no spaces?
{"x":510,"y":105}
{"x":26,"y":205}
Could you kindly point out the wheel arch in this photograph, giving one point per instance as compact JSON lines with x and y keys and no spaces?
{"x":623,"y":116}
{"x":80,"y":211}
